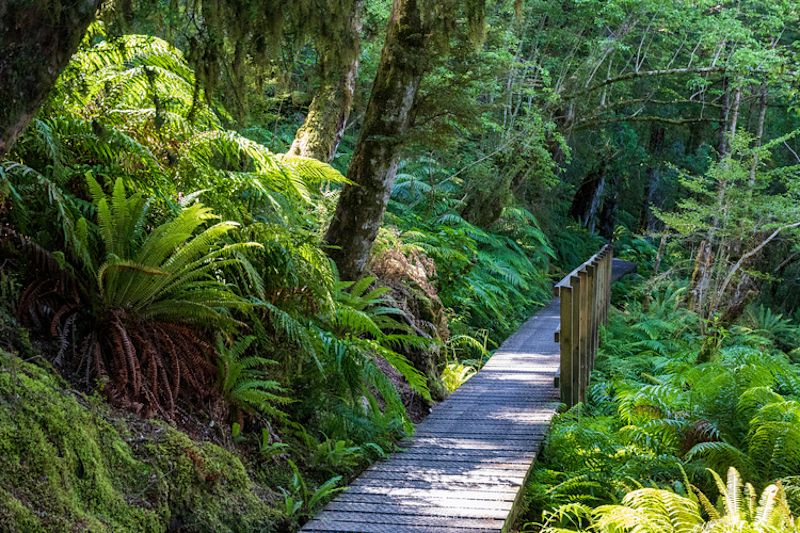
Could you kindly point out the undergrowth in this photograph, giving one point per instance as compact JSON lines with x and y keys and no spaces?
{"x":159,"y":260}
{"x":667,"y":409}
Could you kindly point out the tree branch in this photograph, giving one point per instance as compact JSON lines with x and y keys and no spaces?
{"x":639,"y":118}
{"x":684,"y":101}
{"x":642,"y":74}
{"x":751,"y":253}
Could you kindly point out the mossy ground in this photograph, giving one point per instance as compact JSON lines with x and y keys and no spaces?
{"x":67,"y":464}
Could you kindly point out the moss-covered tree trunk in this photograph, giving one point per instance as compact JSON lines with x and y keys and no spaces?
{"x":320,"y":134}
{"x":37,"y":39}
{"x":361,"y":207}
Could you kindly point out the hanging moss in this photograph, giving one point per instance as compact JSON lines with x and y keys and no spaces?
{"x":64,"y":466}
{"x":237,"y":42}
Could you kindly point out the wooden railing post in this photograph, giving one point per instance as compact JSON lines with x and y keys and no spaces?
{"x":591,"y":310}
{"x":605,"y":282}
{"x":600,"y":299}
{"x":575,"y":356}
{"x":585,"y":295}
{"x":566,"y":339}
{"x":583,"y":312}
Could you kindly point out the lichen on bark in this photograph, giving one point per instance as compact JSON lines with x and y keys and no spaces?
{"x":361,"y":206}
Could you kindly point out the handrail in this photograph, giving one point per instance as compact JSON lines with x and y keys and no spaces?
{"x":585,"y":295}
{"x":565,"y":280}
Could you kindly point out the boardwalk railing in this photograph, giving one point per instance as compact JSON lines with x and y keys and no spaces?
{"x":585,"y":294}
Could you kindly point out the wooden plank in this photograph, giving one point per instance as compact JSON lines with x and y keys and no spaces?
{"x":445,"y":498}
{"x":323,"y":524}
{"x":442,"y":421}
{"x":372,"y":516}
{"x":505,"y":414}
{"x":484,"y":471}
{"x":442,"y":450}
{"x":438,"y":480}
{"x":583,"y":338}
{"x":412,"y":510}
{"x":463,"y":509}
{"x":591,"y":316}
{"x":450,"y":465}
{"x":496,"y":487}
{"x":438,"y":506}
{"x":566,"y":280}
{"x":463,"y":443}
{"x":575,"y":356}
{"x":495,"y":419}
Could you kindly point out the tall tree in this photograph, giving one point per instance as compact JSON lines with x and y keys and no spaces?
{"x":320,"y":134}
{"x":37,"y":38}
{"x":417,"y":31}
{"x":361,"y":206}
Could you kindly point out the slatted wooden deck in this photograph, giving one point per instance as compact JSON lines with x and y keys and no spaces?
{"x":465,"y":466}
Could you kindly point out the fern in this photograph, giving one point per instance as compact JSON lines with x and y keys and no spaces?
{"x":135,"y":303}
{"x":242,"y":380}
{"x":656,"y":510}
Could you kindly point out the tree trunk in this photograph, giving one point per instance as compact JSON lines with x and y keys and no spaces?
{"x":704,"y":262}
{"x":660,"y":254}
{"x":695,"y":138}
{"x":607,"y":220}
{"x":655,"y":148}
{"x":586,"y":201}
{"x":322,"y":131}
{"x":361,"y":206}
{"x":762,"y":116}
{"x":37,"y":39}
{"x":722,"y":135}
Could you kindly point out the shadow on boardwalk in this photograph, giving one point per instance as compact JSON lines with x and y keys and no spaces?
{"x":464,"y":469}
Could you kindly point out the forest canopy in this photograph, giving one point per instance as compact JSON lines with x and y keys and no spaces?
{"x":268,"y":236}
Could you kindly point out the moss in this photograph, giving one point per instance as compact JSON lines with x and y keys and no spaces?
{"x":65,"y":467}
{"x":207,"y":487}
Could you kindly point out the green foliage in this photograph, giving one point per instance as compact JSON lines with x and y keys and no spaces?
{"x":763,"y":321}
{"x":126,"y":106}
{"x":456,"y":374}
{"x":162,"y":275}
{"x":351,"y":337}
{"x":655,"y":419}
{"x":649,"y":510}
{"x":337,"y":456}
{"x":735,"y":211}
{"x":134,"y":280}
{"x":301,"y":502}
{"x":484,"y":273}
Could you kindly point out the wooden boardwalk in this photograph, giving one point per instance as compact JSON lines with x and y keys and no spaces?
{"x":464,"y":469}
